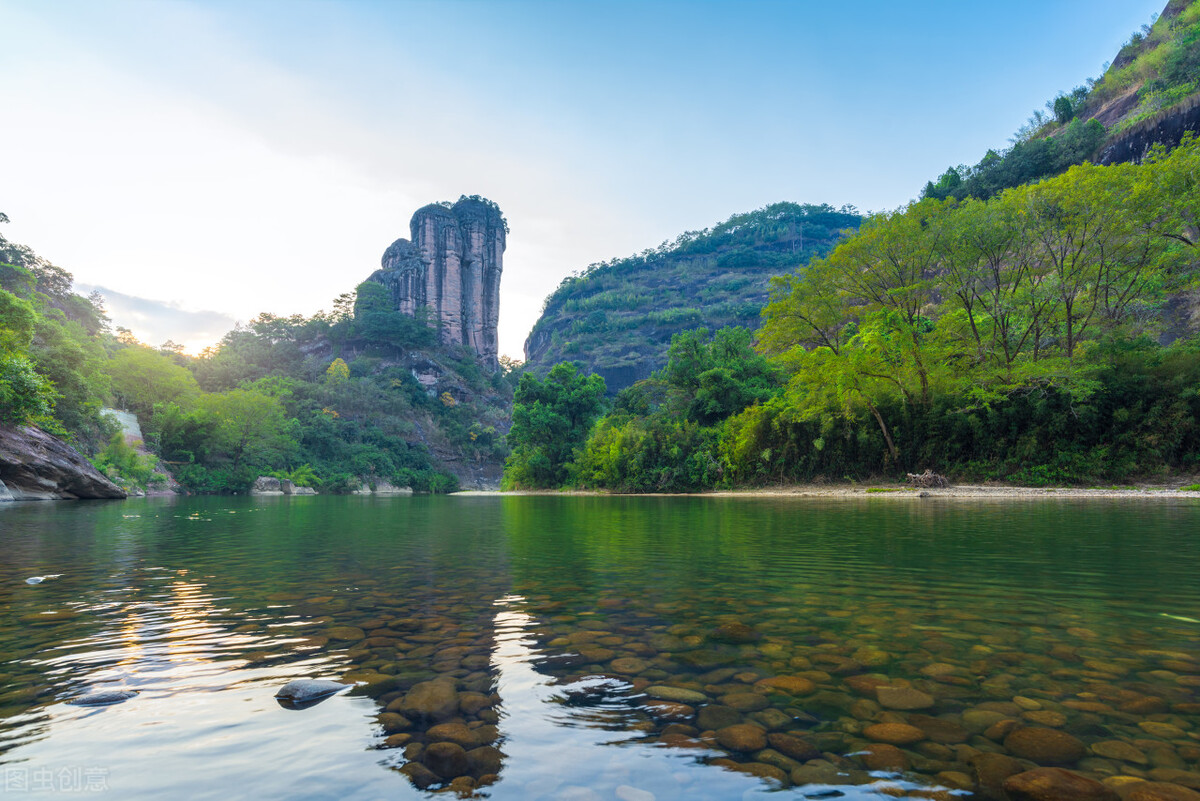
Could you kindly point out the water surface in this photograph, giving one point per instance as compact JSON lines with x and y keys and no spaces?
{"x":594,"y":648}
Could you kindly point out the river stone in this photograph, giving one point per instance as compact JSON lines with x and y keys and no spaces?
{"x":978,"y":720}
{"x":446,"y":759}
{"x":1121,"y":750}
{"x":430,"y":700}
{"x":1056,"y":784}
{"x":345,"y":633}
{"x":793,"y":685}
{"x":670,"y":711}
{"x":744,"y":702}
{"x":485,"y":759}
{"x":796,"y":748}
{"x":679,"y":695}
{"x":1165,"y":731}
{"x":894,"y":733}
{"x":629,"y":665}
{"x":742,"y":737}
{"x":736,"y":632}
{"x":107,"y":697}
{"x":454,"y":733}
{"x":1161,"y":791}
{"x":946,"y":732}
{"x":991,"y":770}
{"x":1046,"y":717}
{"x":904,"y":698}
{"x":393,"y":722}
{"x":866,"y":684}
{"x":303,"y":691}
{"x":1176,"y":776}
{"x":772,"y":719}
{"x":421,"y":776}
{"x":473,"y":703}
{"x":881,"y":756}
{"x":715,"y":716}
{"x":1045,"y":746}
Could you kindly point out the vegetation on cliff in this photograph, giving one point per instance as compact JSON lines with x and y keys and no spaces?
{"x":1156,"y":72}
{"x":1012,"y":338}
{"x":334,"y":397}
{"x":617,"y":317}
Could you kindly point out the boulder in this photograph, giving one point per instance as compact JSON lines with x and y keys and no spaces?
{"x":37,"y":466}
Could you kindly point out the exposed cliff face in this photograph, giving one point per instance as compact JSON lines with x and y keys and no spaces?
{"x":37,"y":466}
{"x":1166,"y":129}
{"x":452,"y":267}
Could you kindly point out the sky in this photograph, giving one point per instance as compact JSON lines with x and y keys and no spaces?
{"x":201,"y":162}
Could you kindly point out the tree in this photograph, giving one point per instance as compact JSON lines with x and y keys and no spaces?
{"x":251,"y":426}
{"x":142,"y":377}
{"x":551,"y":422}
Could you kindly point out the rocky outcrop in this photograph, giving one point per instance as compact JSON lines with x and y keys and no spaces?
{"x":451,"y":267}
{"x":37,"y":466}
{"x":269,"y":485}
{"x":1167,"y":129}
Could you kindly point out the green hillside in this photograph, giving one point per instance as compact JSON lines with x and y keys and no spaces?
{"x":617,"y":317}
{"x":1148,"y":95}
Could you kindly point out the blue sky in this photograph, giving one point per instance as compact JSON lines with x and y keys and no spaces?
{"x":237,"y":157}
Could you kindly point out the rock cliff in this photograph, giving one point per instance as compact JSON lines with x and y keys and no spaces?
{"x":36,"y":466}
{"x":451,"y":267}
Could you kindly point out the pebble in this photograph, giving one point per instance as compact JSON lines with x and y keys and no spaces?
{"x":680,"y":695}
{"x":793,"y":685}
{"x":430,"y":700}
{"x":894,"y":733}
{"x":1165,"y":731}
{"x":1045,"y":746}
{"x":1056,"y":784}
{"x":796,"y":748}
{"x":904,"y":698}
{"x":882,"y":756}
{"x":1161,"y":791}
{"x":742,"y":737}
{"x":1120,"y":750}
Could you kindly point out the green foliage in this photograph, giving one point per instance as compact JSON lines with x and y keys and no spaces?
{"x":551,"y":421}
{"x":17,"y":320}
{"x":143,"y":377}
{"x":121,"y":462}
{"x":302,"y":476}
{"x":25,"y":396}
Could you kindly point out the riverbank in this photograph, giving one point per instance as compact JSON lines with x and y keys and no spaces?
{"x":885,"y":490}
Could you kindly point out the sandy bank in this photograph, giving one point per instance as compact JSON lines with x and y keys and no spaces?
{"x":883,"y":490}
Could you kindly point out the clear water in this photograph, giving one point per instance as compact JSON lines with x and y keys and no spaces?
{"x":553,"y":617}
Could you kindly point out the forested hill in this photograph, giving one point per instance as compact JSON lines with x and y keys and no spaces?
{"x":1149,"y":95}
{"x":617,"y":317}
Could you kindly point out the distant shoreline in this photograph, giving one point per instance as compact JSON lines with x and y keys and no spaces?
{"x":882,"y":490}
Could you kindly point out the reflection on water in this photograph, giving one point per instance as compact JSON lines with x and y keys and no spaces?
{"x":593,"y":648}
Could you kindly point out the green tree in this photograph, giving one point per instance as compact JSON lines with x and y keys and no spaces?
{"x":551,"y":421}
{"x":142,"y":377}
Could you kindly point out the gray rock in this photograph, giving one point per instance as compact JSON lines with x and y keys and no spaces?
{"x":37,"y":466}
{"x":102,"y":698}
{"x":303,"y":693}
{"x":266,"y":485}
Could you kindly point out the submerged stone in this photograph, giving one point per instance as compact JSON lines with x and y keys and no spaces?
{"x":102,"y":698}
{"x":1056,"y":784}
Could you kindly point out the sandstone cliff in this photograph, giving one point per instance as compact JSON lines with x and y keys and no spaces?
{"x":451,"y":267}
{"x":36,"y":466}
